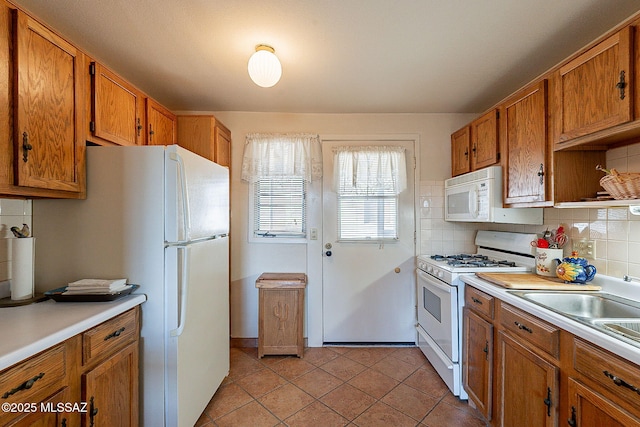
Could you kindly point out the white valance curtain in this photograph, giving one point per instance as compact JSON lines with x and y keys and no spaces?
{"x":370,"y":170}
{"x":282,"y":155}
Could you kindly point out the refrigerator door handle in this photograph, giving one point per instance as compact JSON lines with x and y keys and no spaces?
{"x":186,"y":214}
{"x":183,"y":291}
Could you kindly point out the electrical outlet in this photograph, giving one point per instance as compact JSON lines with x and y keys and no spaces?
{"x":585,"y":248}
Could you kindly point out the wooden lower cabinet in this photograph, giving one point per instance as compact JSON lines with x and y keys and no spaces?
{"x":590,"y":409}
{"x":56,"y":383}
{"x":111,"y":390}
{"x":527,"y":386}
{"x":478,"y":361}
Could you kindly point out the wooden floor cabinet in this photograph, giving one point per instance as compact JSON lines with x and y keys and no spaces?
{"x":281,"y":313}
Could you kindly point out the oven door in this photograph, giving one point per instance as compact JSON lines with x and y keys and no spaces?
{"x":438,"y":313}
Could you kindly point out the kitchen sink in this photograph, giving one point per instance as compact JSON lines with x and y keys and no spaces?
{"x":585,"y":305}
{"x":613,"y":315}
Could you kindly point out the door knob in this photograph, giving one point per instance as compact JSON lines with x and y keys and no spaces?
{"x":328,"y":253}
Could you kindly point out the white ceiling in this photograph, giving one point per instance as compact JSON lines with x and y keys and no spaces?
{"x":338,"y":56}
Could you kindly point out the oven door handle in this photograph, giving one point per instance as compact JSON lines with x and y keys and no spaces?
{"x":434,"y":282}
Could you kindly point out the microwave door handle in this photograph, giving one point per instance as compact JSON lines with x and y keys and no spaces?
{"x":473,"y":202}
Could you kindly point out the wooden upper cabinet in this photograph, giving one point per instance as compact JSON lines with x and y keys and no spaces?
{"x":48,"y":138}
{"x":460,"y":150}
{"x":484,"y":140}
{"x":594,"y":90}
{"x":523,"y":121}
{"x":205,"y":136}
{"x":117,"y":109}
{"x":161,"y":124}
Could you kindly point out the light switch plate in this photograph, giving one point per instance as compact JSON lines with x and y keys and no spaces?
{"x":585,"y":248}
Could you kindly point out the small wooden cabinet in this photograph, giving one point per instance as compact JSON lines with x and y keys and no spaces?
{"x":460,"y":147}
{"x":524,"y":137}
{"x":595,"y":89}
{"x":205,"y":136}
{"x":117,"y":109}
{"x":484,"y":140}
{"x":478,"y":361}
{"x":281,"y":313}
{"x":161,"y":124}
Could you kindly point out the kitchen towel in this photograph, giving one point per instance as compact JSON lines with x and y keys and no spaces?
{"x":22,"y":271}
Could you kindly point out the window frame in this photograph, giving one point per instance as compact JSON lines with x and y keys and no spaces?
{"x":254,"y":238}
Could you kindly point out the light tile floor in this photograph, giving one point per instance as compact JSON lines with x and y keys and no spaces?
{"x":336,"y":386}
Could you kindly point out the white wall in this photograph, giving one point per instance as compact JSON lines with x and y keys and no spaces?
{"x":249,"y":260}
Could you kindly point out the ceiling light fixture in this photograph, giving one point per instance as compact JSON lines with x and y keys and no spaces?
{"x":264,"y":67}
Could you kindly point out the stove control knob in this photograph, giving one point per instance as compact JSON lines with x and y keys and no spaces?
{"x":440,"y":274}
{"x":429,"y":269}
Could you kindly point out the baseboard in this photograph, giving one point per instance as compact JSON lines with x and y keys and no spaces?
{"x":252,"y":342}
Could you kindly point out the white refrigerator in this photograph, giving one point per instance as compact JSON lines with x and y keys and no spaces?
{"x":158,"y":216}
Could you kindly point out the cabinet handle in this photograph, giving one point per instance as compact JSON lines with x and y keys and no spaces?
{"x":24,"y":386}
{"x":541,"y":173}
{"x":114,"y":334}
{"x":486,"y":350}
{"x":476,"y":300}
{"x":139,"y":127}
{"x":621,"y":85}
{"x":475,"y":152}
{"x":620,"y":382}
{"x":523,"y":327}
{"x":63,"y":423}
{"x":572,"y":421}
{"x":93,"y":411}
{"x":466,"y":153}
{"x":26,"y":147}
{"x":547,"y":401}
{"x":151,"y":132}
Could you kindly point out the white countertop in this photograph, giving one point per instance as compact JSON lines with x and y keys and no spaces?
{"x":609,"y":285}
{"x":30,"y":329}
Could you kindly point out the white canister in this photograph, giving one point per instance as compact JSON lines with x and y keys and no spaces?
{"x":546,"y":261}
{"x":22,"y":272}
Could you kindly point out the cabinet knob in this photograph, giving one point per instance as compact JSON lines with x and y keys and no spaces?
{"x":622,"y":84}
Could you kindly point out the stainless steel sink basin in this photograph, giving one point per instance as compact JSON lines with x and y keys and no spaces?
{"x":586,"y":305}
{"x":615,"y":316}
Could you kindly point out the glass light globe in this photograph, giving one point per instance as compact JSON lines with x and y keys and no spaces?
{"x":264,"y":67}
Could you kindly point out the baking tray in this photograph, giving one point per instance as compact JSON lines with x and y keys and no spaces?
{"x":57,"y":295}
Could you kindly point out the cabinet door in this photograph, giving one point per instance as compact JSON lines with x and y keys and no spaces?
{"x":50,"y":413}
{"x":460,"y":146}
{"x":48,"y":145}
{"x":590,"y":409}
{"x":117,"y":112}
{"x":527,"y":386}
{"x":484,"y":140}
{"x":594,"y":90}
{"x":478,"y":361}
{"x":524,"y":128}
{"x":222,"y":145}
{"x":111,"y":390}
{"x":161,"y":124}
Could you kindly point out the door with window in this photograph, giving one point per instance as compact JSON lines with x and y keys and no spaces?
{"x":368,"y":242}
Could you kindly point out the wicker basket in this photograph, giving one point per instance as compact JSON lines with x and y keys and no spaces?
{"x":622,"y":186}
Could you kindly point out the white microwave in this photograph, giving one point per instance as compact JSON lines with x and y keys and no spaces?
{"x":477,"y":197}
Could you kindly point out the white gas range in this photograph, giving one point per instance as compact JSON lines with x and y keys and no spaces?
{"x":440,"y":295}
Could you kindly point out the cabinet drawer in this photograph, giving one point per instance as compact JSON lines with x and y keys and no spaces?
{"x":110,"y":336}
{"x":478,"y":301}
{"x":531,"y":329}
{"x":616,"y":375}
{"x":36,"y":378}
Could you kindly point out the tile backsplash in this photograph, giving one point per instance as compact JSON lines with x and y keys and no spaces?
{"x":12,"y":212}
{"x":616,"y":231}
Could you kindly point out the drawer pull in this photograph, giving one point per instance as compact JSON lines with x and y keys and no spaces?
{"x":476,"y":300}
{"x":523,"y":327}
{"x":620,"y":382}
{"x":114,"y":334}
{"x":24,"y":386}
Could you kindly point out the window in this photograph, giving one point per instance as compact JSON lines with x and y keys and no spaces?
{"x":369,"y":180}
{"x":279,"y":207}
